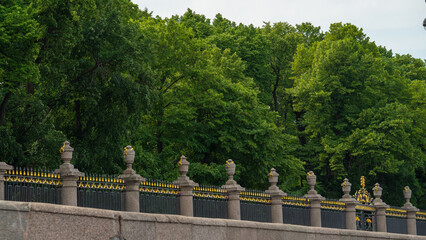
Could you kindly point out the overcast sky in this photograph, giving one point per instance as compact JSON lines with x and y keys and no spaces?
{"x":395,"y":24}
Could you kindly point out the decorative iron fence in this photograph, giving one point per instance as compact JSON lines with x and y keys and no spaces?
{"x":296,"y":210}
{"x":210,"y":202}
{"x":105,"y":192}
{"x":159,"y":197}
{"x":108,"y":192}
{"x":396,"y":220}
{"x":421,"y":223}
{"x":333,"y":214}
{"x":365,"y":217}
{"x":255,"y":206}
{"x":29,"y":185}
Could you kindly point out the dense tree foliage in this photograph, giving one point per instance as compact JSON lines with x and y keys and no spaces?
{"x":105,"y":74}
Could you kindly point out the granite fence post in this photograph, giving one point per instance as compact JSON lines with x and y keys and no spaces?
{"x":3,"y":168}
{"x":276,"y":196}
{"x":69,"y":176}
{"x":411,"y":212}
{"x":350,"y":203}
{"x":233,"y":189}
{"x":186,"y":187}
{"x":132,"y":181}
{"x":380,"y":208}
{"x":314,"y":199}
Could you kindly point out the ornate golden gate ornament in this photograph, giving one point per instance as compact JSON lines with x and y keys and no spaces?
{"x":362,"y":195}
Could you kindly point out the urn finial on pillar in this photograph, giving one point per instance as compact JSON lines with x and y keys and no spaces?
{"x":230,"y":170}
{"x":129,"y":158}
{"x":132,"y":180}
{"x":276,"y":196}
{"x":346,"y":188}
{"x":350,"y":203}
{"x":66,"y":152}
{"x":233,"y":189}
{"x":411,"y":212}
{"x":69,"y":175}
{"x":315,"y":200}
{"x":186,"y":187}
{"x":312,"y":180}
{"x":183,"y":166}
{"x":377,"y":192}
{"x":407,"y":195}
{"x":380,"y":208}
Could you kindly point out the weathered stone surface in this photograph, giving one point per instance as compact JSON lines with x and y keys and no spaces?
{"x":49,"y":221}
{"x":13,"y":220}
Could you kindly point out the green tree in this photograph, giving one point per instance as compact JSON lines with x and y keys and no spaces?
{"x":357,"y":113}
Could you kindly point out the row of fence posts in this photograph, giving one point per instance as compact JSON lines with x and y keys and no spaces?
{"x":69,"y":176}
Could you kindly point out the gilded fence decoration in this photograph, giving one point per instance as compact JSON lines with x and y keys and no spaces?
{"x":101,"y":182}
{"x":163,"y":197}
{"x":101,"y":191}
{"x":159,"y":197}
{"x":32,"y":176}
{"x":333,"y":205}
{"x":213,"y":192}
{"x":255,"y":196}
{"x":32,"y":185}
{"x":297,"y":201}
{"x":159,"y":187}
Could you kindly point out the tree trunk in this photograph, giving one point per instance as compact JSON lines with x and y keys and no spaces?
{"x":78,"y":119}
{"x":275,"y":97}
{"x":3,"y":107}
{"x":300,"y":128}
{"x":158,"y":135}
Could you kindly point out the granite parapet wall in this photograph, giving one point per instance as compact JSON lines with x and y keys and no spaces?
{"x":48,"y":221}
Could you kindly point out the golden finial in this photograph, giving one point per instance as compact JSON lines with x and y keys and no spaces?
{"x":62,"y":148}
{"x":344,"y":182}
{"x":271,"y":174}
{"x":180,"y":162}
{"x":406,"y":189}
{"x":362,"y":181}
{"x":309,"y":174}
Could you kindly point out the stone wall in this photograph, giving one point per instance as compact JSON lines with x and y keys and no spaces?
{"x":48,"y":221}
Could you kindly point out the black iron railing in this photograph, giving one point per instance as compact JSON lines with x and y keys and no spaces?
{"x":108,"y":192}
{"x":255,"y":206}
{"x":296,"y":210}
{"x":333,"y":214}
{"x":28,"y":185}
{"x":396,"y":220}
{"x":421,"y":223}
{"x":100,"y":191}
{"x":159,"y":197}
{"x":210,"y":202}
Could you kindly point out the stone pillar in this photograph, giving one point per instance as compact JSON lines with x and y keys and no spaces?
{"x":276,"y":196}
{"x":233,"y":189}
{"x":132,"y":181}
{"x":314,"y":199}
{"x":411,"y":212}
{"x":186,"y":187}
{"x":3,"y":168}
{"x":380,"y":208}
{"x":350,"y":204}
{"x":69,"y":176}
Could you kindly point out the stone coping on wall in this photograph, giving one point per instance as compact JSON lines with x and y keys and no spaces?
{"x":20,"y":220}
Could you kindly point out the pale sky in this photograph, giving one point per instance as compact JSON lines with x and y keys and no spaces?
{"x":395,"y":24}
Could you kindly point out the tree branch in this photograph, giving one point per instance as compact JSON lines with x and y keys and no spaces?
{"x":3,"y":107}
{"x":85,"y":72}
{"x":171,"y":84}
